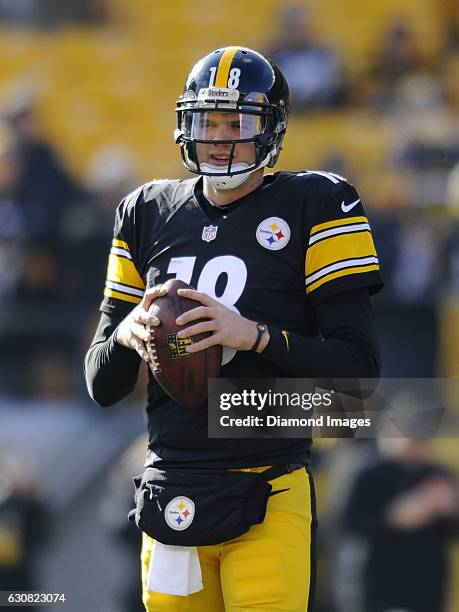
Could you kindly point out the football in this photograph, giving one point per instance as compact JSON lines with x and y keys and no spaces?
{"x":182,"y":375}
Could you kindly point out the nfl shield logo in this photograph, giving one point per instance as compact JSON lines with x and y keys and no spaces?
{"x":209,"y":232}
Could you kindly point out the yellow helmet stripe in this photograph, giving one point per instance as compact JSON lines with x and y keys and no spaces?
{"x":221,"y":80}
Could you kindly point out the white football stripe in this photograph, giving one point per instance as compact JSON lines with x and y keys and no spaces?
{"x":349,"y":263}
{"x":124,"y":288}
{"x":343,"y":229}
{"x":122,"y":252}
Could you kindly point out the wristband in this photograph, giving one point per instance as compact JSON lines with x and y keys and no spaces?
{"x":261,"y":327}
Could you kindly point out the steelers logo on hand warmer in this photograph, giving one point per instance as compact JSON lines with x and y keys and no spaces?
{"x":179,"y":513}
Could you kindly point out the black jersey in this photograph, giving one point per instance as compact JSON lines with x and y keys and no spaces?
{"x":297,"y":239}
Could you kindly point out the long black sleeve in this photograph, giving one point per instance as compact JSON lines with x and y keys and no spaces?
{"x":350,"y":345}
{"x":111,"y":370}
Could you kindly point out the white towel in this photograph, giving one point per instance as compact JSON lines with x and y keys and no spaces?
{"x":174,"y":570}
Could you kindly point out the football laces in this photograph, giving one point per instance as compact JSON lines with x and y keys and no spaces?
{"x":151,"y":350}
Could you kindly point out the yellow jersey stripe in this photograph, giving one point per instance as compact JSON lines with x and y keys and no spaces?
{"x":337,"y":248}
{"x":121,"y":296}
{"x":221,"y":80}
{"x":122,"y":270}
{"x":337,"y":223}
{"x":341,"y":273}
{"x":120,"y":243}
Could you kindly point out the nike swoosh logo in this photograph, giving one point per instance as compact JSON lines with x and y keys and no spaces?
{"x":347,"y":207}
{"x":278,"y":491}
{"x":285,"y":334}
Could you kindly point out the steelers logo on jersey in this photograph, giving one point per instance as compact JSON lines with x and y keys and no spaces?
{"x":273,"y":233}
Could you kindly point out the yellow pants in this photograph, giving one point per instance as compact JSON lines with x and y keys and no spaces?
{"x":269,"y":569}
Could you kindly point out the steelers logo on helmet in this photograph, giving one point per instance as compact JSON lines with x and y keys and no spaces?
{"x":273,"y":233}
{"x":179,"y":513}
{"x":232,"y":116}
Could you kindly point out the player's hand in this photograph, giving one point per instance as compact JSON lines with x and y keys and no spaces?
{"x":228,"y":327}
{"x":132,"y":332}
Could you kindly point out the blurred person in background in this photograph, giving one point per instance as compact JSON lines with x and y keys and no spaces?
{"x":240,"y":235}
{"x":313,"y":70}
{"x":12,"y":222}
{"x":13,"y":259}
{"x":23,"y":525}
{"x":44,"y":187}
{"x":418,"y":101}
{"x":54,"y":13}
{"x":46,"y":272}
{"x":405,"y":509}
{"x":112,"y":171}
{"x":45,"y":192}
{"x":398,"y":57}
{"x":115,"y":506}
{"x":343,"y":553}
{"x":415,"y":278}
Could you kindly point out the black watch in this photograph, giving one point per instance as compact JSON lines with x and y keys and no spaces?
{"x":261,"y":327}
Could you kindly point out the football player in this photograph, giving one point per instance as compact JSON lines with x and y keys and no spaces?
{"x":283,"y":266}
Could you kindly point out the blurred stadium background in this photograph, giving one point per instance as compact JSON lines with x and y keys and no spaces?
{"x":87,"y":97}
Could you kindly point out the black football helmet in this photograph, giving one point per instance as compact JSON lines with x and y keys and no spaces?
{"x":242,"y":82}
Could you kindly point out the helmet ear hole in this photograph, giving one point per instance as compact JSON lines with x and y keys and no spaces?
{"x":262,"y":140}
